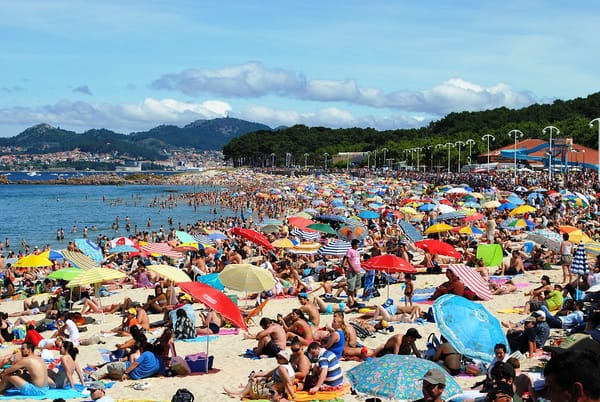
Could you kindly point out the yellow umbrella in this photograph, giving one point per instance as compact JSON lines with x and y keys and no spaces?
{"x":408,"y":210}
{"x":522,"y":209}
{"x":283,"y":243}
{"x":246,"y":277}
{"x":34,"y":261}
{"x":438,"y":228}
{"x":576,"y":235}
{"x":170,"y":272}
{"x":95,"y":275}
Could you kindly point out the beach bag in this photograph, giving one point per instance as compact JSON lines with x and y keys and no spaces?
{"x":432,"y":345}
{"x":180,"y":366}
{"x":183,"y":395}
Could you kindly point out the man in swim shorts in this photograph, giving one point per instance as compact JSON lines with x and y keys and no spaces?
{"x":36,"y":384}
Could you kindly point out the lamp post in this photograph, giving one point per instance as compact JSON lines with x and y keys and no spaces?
{"x":347,"y":161}
{"x":550,"y":129}
{"x":368,"y":160}
{"x":446,"y":145}
{"x":272,"y":160}
{"x":487,"y":138}
{"x":459,"y":144}
{"x":597,"y":120}
{"x":418,"y":149}
{"x":326,"y":155}
{"x":305,"y":160}
{"x":384,"y":149}
{"x":375,"y":160}
{"x":516,"y":134}
{"x":470,"y":142}
{"x":288,"y":159}
{"x":430,"y":149}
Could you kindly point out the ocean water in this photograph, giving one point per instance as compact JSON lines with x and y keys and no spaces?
{"x":35,"y":212}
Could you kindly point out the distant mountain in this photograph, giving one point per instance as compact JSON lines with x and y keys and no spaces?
{"x":152,"y":144}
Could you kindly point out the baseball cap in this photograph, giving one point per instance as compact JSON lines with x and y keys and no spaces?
{"x":575,"y":342}
{"x":96,"y":385}
{"x":435,"y":376}
{"x":501,"y":387}
{"x":531,"y":318}
{"x":539,"y":313}
{"x":185,"y":296}
{"x":303,"y":295}
{"x":286,"y":354}
{"x":414,"y":333}
{"x":132,"y":311}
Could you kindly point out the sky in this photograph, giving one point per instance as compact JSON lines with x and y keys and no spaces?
{"x":133,"y":65}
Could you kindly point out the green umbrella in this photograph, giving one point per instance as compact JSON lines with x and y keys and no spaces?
{"x":66,"y":273}
{"x":322,"y":227}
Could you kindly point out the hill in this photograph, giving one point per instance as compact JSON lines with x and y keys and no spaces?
{"x":201,"y":135}
{"x":313,"y":144}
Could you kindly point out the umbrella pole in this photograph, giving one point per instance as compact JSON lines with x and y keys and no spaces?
{"x":97,"y":293}
{"x":207,"y":343}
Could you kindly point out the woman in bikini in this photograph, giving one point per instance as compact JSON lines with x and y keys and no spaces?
{"x":63,"y":377}
{"x":299,"y":328}
{"x":448,"y":357}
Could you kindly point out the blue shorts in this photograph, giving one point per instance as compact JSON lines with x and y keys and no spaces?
{"x":392,"y":310}
{"x":29,"y":389}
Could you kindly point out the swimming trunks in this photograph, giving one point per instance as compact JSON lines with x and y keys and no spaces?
{"x":271,"y":349}
{"x":28,"y":389}
{"x":214,"y":328}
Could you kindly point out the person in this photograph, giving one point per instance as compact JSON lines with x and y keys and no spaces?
{"x":98,"y":392}
{"x":393,"y":313}
{"x":572,"y":320}
{"x":68,"y":366}
{"x":499,"y":356}
{"x":573,"y":376}
{"x":277,"y":393}
{"x":329,"y":308}
{"x":503,"y":288}
{"x":138,"y":366}
{"x":157,"y":303}
{"x":536,"y":338}
{"x":566,"y":258}
{"x":409,"y":289}
{"x":452,"y":286}
{"x":282,"y":374}
{"x":351,"y":262}
{"x":271,"y":339}
{"x":298,"y":327}
{"x":448,"y":357}
{"x":185,"y":303}
{"x":308,"y":308}
{"x":67,"y":328}
{"x":129,"y":321}
{"x":434,"y":383}
{"x":213,"y":322}
{"x":523,"y":340}
{"x":327,"y":371}
{"x":500,"y":391}
{"x":400,"y":344}
{"x":300,"y":363}
{"x":184,"y":329}
{"x":37,"y":382}
{"x":515,"y":265}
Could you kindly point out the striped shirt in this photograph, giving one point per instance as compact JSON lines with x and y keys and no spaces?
{"x":329,"y":361}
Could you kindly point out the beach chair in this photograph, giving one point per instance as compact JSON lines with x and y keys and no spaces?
{"x":256,"y":311}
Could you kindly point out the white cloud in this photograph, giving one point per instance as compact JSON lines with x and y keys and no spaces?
{"x":252,"y":80}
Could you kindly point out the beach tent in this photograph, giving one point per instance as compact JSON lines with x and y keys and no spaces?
{"x":491,"y":254}
{"x":472,"y":279}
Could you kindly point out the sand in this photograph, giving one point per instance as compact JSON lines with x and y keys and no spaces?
{"x":233,"y":368}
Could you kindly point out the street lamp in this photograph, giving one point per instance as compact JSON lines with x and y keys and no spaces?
{"x":326,"y":155}
{"x":550,"y":128}
{"x":459,"y":144}
{"x":488,"y":137}
{"x":368,"y":160}
{"x":597,"y":120}
{"x":429,"y":148}
{"x":375,"y":160}
{"x":384,"y":149}
{"x":305,"y":160}
{"x":446,"y":145}
{"x":418,"y":149}
{"x":273,"y":160}
{"x":288,"y":158}
{"x":347,"y":161}
{"x":516,"y":134}
{"x":470,"y":142}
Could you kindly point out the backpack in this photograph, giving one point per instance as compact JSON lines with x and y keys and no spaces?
{"x":184,"y":329}
{"x":183,"y":395}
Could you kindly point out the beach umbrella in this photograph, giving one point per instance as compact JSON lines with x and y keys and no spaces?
{"x":577,"y":235}
{"x":438,"y":228}
{"x":91,"y":249}
{"x":426,"y":207}
{"x":246,"y":278}
{"x":95,"y":275}
{"x":367,"y":214}
{"x":161,"y":249}
{"x":216,"y":300}
{"x":410,"y":231}
{"x":451,"y":215}
{"x":185,"y":237}
{"x":580,"y":265}
{"x":203,"y":239}
{"x":330,"y":218}
{"x":216,"y":235}
{"x":470,"y":230}
{"x":254,"y":236}
{"x":336,"y":247}
{"x":65,"y":274}
{"x":522,"y":209}
{"x":468,"y":326}
{"x":185,"y":247}
{"x":408,"y":210}
{"x":547,"y":238}
{"x":211,"y":280}
{"x":506,"y":206}
{"x":34,"y":261}
{"x":438,"y":247}
{"x":472,"y":279}
{"x":269,"y":228}
{"x":283,"y":243}
{"x":321,"y":227}
{"x":475,"y":217}
{"x":305,"y":234}
{"x":351,"y":232}
{"x":79,"y":260}
{"x":170,"y":272}
{"x":305,"y":248}
{"x":389,"y":263}
{"x":125,"y":248}
{"x":121,"y":241}
{"x":397,"y":377}
{"x":491,"y":204}
{"x":299,"y":221}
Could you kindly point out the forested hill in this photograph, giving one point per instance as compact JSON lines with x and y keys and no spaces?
{"x":152,"y":144}
{"x":571,"y":117}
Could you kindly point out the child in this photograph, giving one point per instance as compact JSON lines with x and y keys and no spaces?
{"x":409,"y":289}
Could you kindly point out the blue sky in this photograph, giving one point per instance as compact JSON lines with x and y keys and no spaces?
{"x":132,"y":65}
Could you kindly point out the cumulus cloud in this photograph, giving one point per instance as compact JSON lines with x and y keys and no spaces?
{"x":253,"y":80}
{"x":83,"y":89}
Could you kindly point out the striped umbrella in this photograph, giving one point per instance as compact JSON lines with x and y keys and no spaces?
{"x":337,"y":248}
{"x":305,"y":235}
{"x":580,"y":265}
{"x":204,"y":239}
{"x":79,"y":260}
{"x":161,"y":249}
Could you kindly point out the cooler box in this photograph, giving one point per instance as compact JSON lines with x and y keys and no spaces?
{"x":198,"y":361}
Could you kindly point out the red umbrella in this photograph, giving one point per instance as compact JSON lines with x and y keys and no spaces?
{"x":438,"y":247}
{"x":389,"y":263}
{"x":475,"y":217}
{"x":299,"y":221}
{"x":253,"y":236}
{"x":216,"y":300}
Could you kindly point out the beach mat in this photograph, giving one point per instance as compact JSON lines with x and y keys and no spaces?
{"x":303,"y":396}
{"x":68,"y":393}
{"x":202,"y":338}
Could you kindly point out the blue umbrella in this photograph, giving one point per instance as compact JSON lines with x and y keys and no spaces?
{"x":397,"y":377}
{"x":426,"y":207}
{"x":212,"y":280}
{"x":367,"y":214}
{"x":507,"y":205}
{"x":468,"y":326}
{"x":91,"y":249}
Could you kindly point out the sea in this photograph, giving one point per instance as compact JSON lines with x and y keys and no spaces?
{"x":33,"y":213}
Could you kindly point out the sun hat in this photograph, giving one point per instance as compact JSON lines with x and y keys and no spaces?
{"x":434,"y":376}
{"x":185,"y":296}
{"x":132,"y":311}
{"x":96,"y":385}
{"x":286,"y":354}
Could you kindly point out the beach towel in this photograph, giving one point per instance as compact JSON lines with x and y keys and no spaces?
{"x":229,"y":331}
{"x":68,"y":393}
{"x":202,"y":338}
{"x":514,"y":310}
{"x":334,"y":394}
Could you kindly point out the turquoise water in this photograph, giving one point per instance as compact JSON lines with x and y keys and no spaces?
{"x":36,"y":212}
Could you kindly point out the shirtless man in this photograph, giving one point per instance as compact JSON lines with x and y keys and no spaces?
{"x":309,"y":309}
{"x":271,"y":339}
{"x":35,"y":382}
{"x":142,"y":316}
{"x":400,"y":344}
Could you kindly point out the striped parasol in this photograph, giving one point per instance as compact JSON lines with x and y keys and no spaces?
{"x":79,"y":260}
{"x":337,"y":248}
{"x":305,"y":235}
{"x":580,"y":265}
{"x":161,"y":249}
